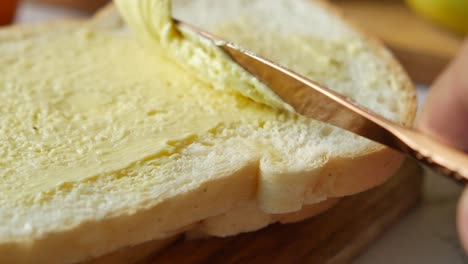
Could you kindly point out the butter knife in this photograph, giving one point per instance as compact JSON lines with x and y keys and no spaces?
{"x":315,"y":101}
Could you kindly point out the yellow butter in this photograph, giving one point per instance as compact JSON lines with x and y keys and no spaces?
{"x":152,"y":21}
{"x":83,"y":104}
{"x":87,"y":103}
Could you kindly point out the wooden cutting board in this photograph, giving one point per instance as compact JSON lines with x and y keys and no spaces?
{"x":337,"y":236}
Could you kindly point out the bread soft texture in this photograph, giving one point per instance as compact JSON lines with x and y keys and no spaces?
{"x":266,"y":163}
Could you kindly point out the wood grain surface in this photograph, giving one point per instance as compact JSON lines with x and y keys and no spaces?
{"x":337,"y":236}
{"x":423,"y":48}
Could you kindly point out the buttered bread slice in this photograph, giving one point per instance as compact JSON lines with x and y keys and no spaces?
{"x":108,"y":141}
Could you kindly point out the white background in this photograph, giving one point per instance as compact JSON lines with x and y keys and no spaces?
{"x":426,"y":235}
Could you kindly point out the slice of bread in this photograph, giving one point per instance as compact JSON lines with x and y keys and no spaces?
{"x":106,"y":143}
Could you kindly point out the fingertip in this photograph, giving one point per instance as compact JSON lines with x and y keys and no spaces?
{"x":445,"y":112}
{"x":422,"y":119}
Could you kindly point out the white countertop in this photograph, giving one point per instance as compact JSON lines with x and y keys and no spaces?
{"x":426,"y":235}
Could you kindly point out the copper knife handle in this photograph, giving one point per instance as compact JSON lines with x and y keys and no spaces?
{"x":432,"y":153}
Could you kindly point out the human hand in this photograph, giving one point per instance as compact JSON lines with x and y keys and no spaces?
{"x":445,"y":116}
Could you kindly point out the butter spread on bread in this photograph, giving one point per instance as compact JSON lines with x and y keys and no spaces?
{"x":152,"y":20}
{"x":108,"y":141}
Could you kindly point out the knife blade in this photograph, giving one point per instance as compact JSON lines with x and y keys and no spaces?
{"x":315,"y":101}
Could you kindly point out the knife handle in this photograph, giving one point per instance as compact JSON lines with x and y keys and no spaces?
{"x":440,"y":157}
